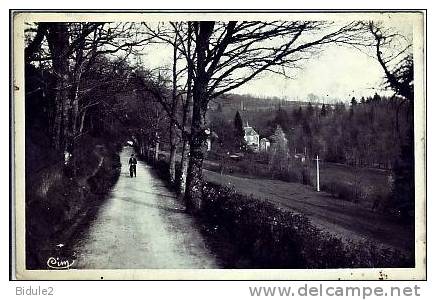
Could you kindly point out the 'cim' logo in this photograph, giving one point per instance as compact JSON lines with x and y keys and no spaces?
{"x":59,"y":264}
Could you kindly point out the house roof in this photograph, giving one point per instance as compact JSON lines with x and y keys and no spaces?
{"x":249,"y":131}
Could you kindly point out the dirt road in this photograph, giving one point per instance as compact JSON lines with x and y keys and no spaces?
{"x":142,"y":226}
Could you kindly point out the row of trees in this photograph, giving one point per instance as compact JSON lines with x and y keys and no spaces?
{"x":365,"y":133}
{"x":218,"y":57}
{"x":369,"y":133}
{"x":209,"y":59}
{"x":72,"y":53}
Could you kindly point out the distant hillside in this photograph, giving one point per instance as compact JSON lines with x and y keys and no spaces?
{"x":251,"y":103}
{"x":258,"y":112}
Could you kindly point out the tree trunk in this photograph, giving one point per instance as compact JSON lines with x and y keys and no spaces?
{"x":172,"y":162}
{"x":194,"y":181}
{"x":141,"y":144}
{"x":58,"y":42}
{"x":173,"y":133}
{"x":57,"y":124}
{"x":187,"y":114}
{"x":184,"y":167}
{"x":74,"y":130}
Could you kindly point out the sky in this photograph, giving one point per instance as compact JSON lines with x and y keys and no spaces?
{"x":337,"y":74}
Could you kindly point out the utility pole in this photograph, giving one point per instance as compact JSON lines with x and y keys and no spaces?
{"x":317,"y":173}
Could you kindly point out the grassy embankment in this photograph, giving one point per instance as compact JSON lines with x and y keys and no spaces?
{"x":58,"y":199}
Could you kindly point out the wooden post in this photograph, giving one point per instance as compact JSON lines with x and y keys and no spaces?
{"x":317,"y":173}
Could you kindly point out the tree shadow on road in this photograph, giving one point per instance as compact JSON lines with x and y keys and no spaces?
{"x":161,"y":207}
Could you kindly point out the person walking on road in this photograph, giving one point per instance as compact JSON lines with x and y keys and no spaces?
{"x":132,"y":165}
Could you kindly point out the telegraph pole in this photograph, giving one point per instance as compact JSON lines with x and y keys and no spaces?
{"x":317,"y":173}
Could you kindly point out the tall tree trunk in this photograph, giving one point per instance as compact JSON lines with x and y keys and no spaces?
{"x":74,"y":130}
{"x":184,"y":163}
{"x":172,"y":160}
{"x":58,"y":117}
{"x":173,"y":133}
{"x":194,"y":181}
{"x":58,"y":42}
{"x":187,"y":114}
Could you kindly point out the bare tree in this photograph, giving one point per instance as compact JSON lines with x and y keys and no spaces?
{"x":73,"y":49}
{"x":393,"y":52}
{"x":179,"y":36}
{"x":58,"y":42}
{"x":228,"y":55}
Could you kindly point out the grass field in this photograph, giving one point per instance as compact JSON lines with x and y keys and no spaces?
{"x":345,"y":219}
{"x":348,"y":220}
{"x":370,"y":183}
{"x":364,"y":186}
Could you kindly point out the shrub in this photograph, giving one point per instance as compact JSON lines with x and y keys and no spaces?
{"x":340,"y":190}
{"x":270,"y":237}
{"x":275,"y":238}
{"x":374,"y":198}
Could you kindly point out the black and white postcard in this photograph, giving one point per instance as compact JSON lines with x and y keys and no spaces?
{"x":221,"y":145}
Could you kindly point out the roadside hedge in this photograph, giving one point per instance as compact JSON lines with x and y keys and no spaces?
{"x":277,"y":238}
{"x":272,"y":237}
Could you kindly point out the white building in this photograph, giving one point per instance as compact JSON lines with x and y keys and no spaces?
{"x":264,"y":145}
{"x":251,"y":137}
